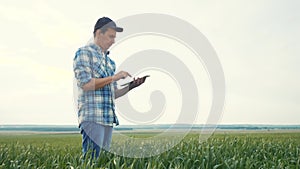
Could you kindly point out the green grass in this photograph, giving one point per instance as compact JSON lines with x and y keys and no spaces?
{"x":233,"y":150}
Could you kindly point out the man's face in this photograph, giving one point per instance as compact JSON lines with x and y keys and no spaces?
{"x":107,"y":39}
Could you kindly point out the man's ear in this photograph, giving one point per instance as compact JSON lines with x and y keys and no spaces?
{"x":98,"y":31}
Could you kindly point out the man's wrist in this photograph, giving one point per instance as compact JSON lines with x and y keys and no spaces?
{"x":132,"y":86}
{"x":112,"y":79}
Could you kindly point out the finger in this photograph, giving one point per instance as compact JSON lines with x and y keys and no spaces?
{"x":128,"y":74}
{"x":136,"y":81}
{"x":140,"y":81}
{"x":125,"y":74}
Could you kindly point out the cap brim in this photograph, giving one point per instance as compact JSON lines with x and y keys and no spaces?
{"x":118,"y":29}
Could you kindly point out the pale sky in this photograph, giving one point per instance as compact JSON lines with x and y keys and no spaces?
{"x":257,"y":43}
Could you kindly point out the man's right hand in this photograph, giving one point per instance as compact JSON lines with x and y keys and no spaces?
{"x":121,"y":75}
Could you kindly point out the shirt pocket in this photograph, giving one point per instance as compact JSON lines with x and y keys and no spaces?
{"x":99,"y":69}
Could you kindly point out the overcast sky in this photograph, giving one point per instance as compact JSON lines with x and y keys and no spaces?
{"x":257,"y":43}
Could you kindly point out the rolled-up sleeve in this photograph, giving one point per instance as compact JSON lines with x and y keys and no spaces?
{"x":82,"y":67}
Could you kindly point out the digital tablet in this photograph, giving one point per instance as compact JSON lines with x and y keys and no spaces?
{"x":144,"y":77}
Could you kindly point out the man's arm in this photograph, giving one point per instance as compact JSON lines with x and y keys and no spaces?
{"x":121,"y":92}
{"x":97,"y":83}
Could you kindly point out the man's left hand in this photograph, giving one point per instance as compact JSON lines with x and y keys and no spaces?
{"x":136,"y":82}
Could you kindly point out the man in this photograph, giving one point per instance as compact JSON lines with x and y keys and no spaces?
{"x":96,"y":80}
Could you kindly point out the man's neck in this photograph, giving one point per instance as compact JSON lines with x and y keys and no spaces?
{"x":99,"y":44}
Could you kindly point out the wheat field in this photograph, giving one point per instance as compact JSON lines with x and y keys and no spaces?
{"x":223,"y":150}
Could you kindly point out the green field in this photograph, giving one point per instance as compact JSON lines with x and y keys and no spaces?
{"x":231,"y":150}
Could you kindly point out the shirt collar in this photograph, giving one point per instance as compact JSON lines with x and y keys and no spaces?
{"x":98,"y":49}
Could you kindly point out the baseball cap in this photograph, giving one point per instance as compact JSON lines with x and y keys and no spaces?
{"x":108,"y":23}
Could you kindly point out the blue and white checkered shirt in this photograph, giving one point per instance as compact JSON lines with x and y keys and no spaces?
{"x":95,"y":105}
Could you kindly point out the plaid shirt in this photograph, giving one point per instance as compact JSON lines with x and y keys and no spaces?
{"x":95,"y":105}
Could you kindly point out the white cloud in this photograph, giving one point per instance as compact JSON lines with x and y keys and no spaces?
{"x":34,"y":93}
{"x":51,"y":27}
{"x":257,"y":43}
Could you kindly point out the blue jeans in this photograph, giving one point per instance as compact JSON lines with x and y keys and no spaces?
{"x":95,"y":137}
